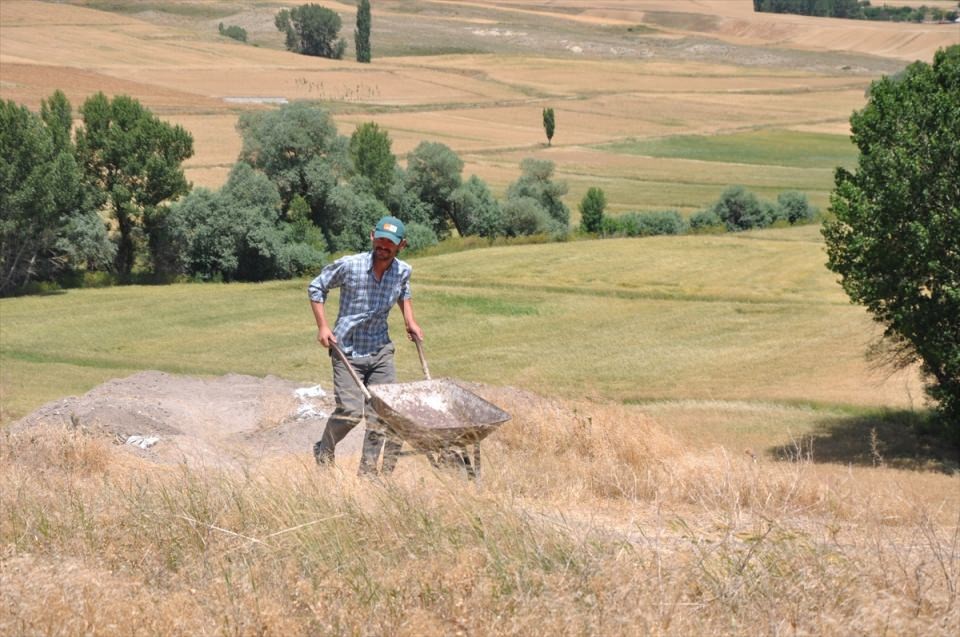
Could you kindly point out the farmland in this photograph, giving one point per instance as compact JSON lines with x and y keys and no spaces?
{"x":698,"y":443}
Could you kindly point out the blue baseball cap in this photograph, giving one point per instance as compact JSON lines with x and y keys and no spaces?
{"x":389,"y":228}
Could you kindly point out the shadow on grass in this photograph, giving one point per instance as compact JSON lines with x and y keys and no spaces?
{"x":900,"y":439}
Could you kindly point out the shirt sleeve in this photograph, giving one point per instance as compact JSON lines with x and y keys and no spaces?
{"x":405,"y":291}
{"x":330,"y":277}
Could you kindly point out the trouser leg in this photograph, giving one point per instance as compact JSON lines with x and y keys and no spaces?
{"x":348,"y":412}
{"x":378,"y":370}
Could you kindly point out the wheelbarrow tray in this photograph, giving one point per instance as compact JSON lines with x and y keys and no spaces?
{"x":436,"y":414}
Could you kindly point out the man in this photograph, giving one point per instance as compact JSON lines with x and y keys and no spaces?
{"x":370,"y":284}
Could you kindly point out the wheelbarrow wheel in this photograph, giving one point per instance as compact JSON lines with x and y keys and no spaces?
{"x":459,"y":460}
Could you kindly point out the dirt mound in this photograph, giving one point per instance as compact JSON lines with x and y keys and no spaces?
{"x":231,"y":419}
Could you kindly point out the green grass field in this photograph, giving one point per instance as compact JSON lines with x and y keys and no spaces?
{"x":741,"y":317}
{"x":763,"y":147}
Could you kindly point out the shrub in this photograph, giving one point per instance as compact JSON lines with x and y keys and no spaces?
{"x":591,"y":210}
{"x":648,"y":224}
{"x":740,"y":209}
{"x":794,"y":207}
{"x":420,"y":236}
{"x":705,"y":221}
{"x":525,"y":216}
{"x":233,"y":31}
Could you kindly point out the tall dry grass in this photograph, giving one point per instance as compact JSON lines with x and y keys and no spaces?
{"x":588,"y":519}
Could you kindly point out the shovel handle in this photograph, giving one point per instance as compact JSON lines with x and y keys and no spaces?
{"x":423,"y":359}
{"x":353,"y":372}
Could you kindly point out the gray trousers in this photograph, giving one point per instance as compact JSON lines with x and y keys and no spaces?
{"x":377,"y":369}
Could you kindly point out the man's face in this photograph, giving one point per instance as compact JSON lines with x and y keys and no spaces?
{"x":385,"y":249}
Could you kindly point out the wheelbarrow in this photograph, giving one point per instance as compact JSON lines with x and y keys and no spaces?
{"x":437,"y":417}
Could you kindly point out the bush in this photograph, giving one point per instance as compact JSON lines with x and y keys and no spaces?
{"x":739,"y":209}
{"x":794,"y":207}
{"x":705,"y":221}
{"x":646,"y":224}
{"x":233,"y":31}
{"x":420,"y":236}
{"x":591,"y":210}
{"x":525,"y":216}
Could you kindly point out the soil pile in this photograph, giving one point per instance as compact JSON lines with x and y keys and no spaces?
{"x":232,"y":419}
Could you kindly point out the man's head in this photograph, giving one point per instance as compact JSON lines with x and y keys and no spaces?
{"x":388,"y":238}
{"x":390,"y":228}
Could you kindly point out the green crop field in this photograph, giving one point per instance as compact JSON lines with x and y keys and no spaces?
{"x":764,"y":148}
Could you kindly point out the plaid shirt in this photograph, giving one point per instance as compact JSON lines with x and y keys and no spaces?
{"x":365,"y":303}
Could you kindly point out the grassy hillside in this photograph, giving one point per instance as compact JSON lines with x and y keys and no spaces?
{"x":750,"y":316}
{"x":697,"y":444}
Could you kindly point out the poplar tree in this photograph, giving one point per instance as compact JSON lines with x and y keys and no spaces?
{"x":362,"y":32}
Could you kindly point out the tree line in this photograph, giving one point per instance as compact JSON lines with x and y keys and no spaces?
{"x":111,"y":196}
{"x":854,"y":9}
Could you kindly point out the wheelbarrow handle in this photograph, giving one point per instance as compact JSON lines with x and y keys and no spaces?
{"x":423,"y":359}
{"x":353,"y":372}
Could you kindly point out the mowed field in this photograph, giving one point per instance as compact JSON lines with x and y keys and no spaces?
{"x":697,"y":444}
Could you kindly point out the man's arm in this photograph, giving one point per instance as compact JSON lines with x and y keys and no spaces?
{"x":324,"y":333}
{"x":413,"y":329}
{"x":330,"y":277}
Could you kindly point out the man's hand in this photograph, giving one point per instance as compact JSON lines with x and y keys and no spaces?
{"x":414,"y":333}
{"x":325,"y":337}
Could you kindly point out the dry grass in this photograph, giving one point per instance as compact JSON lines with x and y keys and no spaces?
{"x":588,"y":520}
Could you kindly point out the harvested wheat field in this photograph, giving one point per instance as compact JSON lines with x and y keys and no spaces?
{"x":587,"y":520}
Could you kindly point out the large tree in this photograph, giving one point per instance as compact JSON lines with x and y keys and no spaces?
{"x":433,"y":174}
{"x":297,"y":146}
{"x":896,"y":239}
{"x":47,"y":223}
{"x":361,"y":35}
{"x":312,"y":30}
{"x":536,"y":181}
{"x":372,"y":158}
{"x":133,"y":160}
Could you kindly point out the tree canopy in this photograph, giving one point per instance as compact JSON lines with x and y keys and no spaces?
{"x":549,"y":124}
{"x":896,"y":239}
{"x":361,"y":35}
{"x":312,"y":30}
{"x":48,"y":223}
{"x":133,"y":160}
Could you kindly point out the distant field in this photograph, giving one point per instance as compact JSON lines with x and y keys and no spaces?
{"x":767,"y":148}
{"x":476,"y":77}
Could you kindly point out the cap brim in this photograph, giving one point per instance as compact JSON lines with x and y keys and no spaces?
{"x":383,"y":234}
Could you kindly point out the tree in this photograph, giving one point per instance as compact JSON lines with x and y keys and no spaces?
{"x":740,"y":209}
{"x":312,"y":30}
{"x":591,"y":210}
{"x":361,"y":35}
{"x":237,"y":233}
{"x":371,"y":157}
{"x":297,"y":146}
{"x":536,"y":181}
{"x":896,"y":239}
{"x":549,"y":124}
{"x":433,"y":174}
{"x":475,"y":210}
{"x":47,"y":224}
{"x":794,"y":207}
{"x":134,"y":161}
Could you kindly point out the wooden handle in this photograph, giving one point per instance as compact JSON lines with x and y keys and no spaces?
{"x":423,"y":359}
{"x":353,"y":372}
